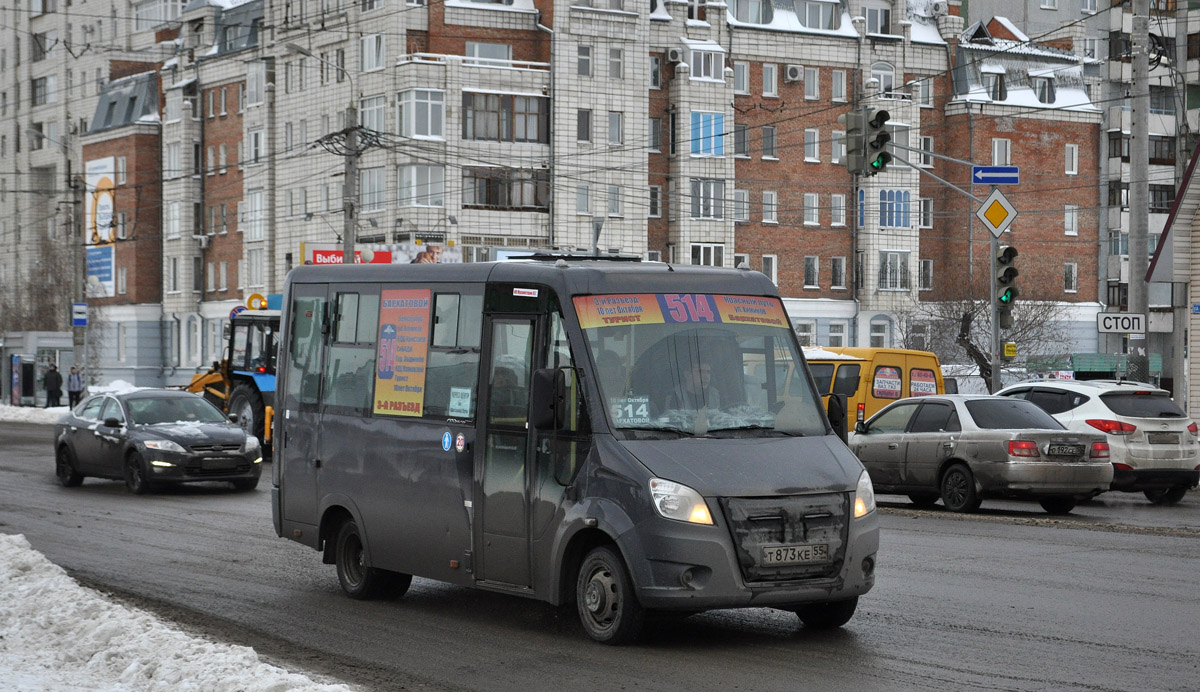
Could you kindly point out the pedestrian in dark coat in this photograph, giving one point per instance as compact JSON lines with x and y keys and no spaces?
{"x":54,"y":385}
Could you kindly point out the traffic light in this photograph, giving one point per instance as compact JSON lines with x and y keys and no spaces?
{"x":877,"y":157}
{"x":1006,"y":286}
{"x":855,"y":139}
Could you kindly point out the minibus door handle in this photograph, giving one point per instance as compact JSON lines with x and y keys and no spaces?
{"x":316,"y":463}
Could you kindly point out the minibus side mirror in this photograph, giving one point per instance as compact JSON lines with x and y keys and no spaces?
{"x":836,"y":411}
{"x":547,"y":398}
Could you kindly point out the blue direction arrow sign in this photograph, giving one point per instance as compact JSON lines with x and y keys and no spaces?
{"x":996,"y":175}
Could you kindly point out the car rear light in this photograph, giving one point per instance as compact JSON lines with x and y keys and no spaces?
{"x":1193,"y":429}
{"x":1099,"y":450}
{"x":862,"y":412}
{"x":1112,"y":427}
{"x":1122,"y":467}
{"x":1022,"y":448}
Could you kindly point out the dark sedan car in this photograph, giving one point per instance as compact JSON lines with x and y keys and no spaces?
{"x":154,"y":437}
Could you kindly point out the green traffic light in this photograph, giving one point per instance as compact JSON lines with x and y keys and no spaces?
{"x":1006,"y":296}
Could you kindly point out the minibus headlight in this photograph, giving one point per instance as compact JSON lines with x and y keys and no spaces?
{"x":679,"y":502}
{"x":165,"y":445}
{"x":251,"y":444}
{"x":864,"y":496}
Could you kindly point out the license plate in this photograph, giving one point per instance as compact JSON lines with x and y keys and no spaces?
{"x":217,"y":464}
{"x":795,"y":554}
{"x":1162,"y":438}
{"x":1064,"y":450}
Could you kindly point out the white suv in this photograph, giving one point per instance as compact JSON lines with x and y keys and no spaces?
{"x":1152,"y":443}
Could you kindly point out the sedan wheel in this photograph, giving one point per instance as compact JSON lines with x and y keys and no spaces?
{"x":1059,"y":504}
{"x":924,"y":500}
{"x":135,"y":475}
{"x":958,"y":489}
{"x":1166,"y":496}
{"x":64,"y":467}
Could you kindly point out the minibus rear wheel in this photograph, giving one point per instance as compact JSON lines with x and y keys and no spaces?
{"x":360,"y":581}
{"x":604,"y":596}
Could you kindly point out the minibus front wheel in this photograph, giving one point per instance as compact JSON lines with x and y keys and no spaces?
{"x":359,"y":580}
{"x":604,"y":596}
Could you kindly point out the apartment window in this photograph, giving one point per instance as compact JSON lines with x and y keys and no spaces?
{"x":655,"y":72}
{"x":371,"y":188}
{"x":926,"y":213}
{"x":371,"y":53}
{"x":837,"y":147}
{"x":837,"y":272}
{"x":925,"y":275}
{"x":708,"y":254}
{"x":879,"y":334}
{"x":926,"y":92}
{"x":256,"y":267}
{"x":506,"y":189}
{"x":212,"y":98}
{"x":893,"y":271}
{"x":197,"y":282}
{"x":1071,"y":219}
{"x":655,"y":210}
{"x":173,"y":275}
{"x":173,"y":220}
{"x":751,"y":11}
{"x":1070,"y":277}
{"x":583,"y":202}
{"x":741,"y":78}
{"x":1162,"y":150}
{"x":583,"y":125}
{"x":893,"y":208}
{"x":770,"y":264}
{"x":708,"y":134}
{"x":211,"y":160}
{"x":44,"y":90}
{"x":741,"y":140}
{"x":837,"y":210}
{"x":422,"y":113}
{"x":770,"y":206}
{"x":927,"y":152}
{"x":1001,"y":152}
{"x":1118,"y":194}
{"x":372,"y":113}
{"x":616,"y":63}
{"x":253,"y":216}
{"x":122,"y":281}
{"x":1090,"y":46}
{"x":806,"y":333}
{"x":1118,"y":145}
{"x":655,"y":130}
{"x":740,"y":258}
{"x":173,"y":164}
{"x":614,"y":200}
{"x":256,"y":79}
{"x":1043,"y":89}
{"x":257,"y":150}
{"x":812,"y":83}
{"x":506,"y":118}
{"x":297,"y":203}
{"x":708,"y":198}
{"x":900,"y":139}
{"x":422,"y":185}
{"x":879,"y":20}
{"x":707,"y":65}
{"x":770,"y":82}
{"x":615,"y":127}
{"x":839,"y":85}
{"x":768,"y":142}
{"x":368,"y":5}
{"x":222,"y":158}
{"x":584,"y":61}
{"x":837,"y":334}
{"x":812,"y":145}
{"x":993,"y":84}
{"x":812,"y":209}
{"x":1161,"y":198}
{"x":811,"y":262}
{"x":741,"y":205}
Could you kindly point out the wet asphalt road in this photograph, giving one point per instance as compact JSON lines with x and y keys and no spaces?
{"x":1009,"y":599}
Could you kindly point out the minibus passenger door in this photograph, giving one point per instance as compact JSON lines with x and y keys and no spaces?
{"x":503,"y":463}
{"x":301,"y":399}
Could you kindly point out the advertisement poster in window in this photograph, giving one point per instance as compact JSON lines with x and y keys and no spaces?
{"x":922,"y":382}
{"x":402,"y":352}
{"x":887,"y":384}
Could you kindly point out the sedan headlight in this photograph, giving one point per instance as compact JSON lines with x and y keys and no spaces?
{"x":165,"y":445}
{"x":864,"y":496}
{"x":679,"y":502}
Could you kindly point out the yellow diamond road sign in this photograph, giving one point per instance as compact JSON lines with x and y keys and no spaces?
{"x":997,"y":213}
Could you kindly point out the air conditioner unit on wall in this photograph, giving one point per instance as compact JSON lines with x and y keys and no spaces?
{"x":939,"y":8}
{"x":793,"y":73}
{"x":674,"y":55}
{"x":203,"y":241}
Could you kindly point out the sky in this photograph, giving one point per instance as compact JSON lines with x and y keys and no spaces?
{"x":57,"y":636}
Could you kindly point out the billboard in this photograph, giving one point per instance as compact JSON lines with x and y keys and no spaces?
{"x":398,"y":253}
{"x":99,"y":229}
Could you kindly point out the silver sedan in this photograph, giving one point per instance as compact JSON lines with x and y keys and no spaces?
{"x":964,"y":449}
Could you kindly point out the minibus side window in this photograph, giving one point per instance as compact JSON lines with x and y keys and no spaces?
{"x":304,"y":361}
{"x":846,"y":380}
{"x":350,"y":372}
{"x":452,"y":375}
{"x":823,"y":374}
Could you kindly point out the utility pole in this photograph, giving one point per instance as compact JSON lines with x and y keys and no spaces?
{"x":1139,"y":188}
{"x":350,"y":185}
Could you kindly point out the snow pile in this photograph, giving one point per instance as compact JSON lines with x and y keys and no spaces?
{"x":31,"y":414}
{"x":57,"y":635}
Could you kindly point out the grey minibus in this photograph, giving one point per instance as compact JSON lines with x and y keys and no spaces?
{"x":613,"y":434}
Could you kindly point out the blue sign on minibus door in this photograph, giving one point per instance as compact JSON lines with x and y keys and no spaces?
{"x":446,"y":441}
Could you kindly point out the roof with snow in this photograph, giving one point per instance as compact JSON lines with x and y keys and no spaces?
{"x":126,"y":101}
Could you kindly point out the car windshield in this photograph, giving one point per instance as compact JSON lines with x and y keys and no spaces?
{"x":1003,"y":413}
{"x":1142,"y":405}
{"x":175,"y":409}
{"x":698,"y":364}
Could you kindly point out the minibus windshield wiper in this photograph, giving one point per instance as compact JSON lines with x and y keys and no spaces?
{"x":755,"y":426}
{"x":656,"y":428}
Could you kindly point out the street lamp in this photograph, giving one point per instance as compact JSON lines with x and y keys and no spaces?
{"x":350,"y":177}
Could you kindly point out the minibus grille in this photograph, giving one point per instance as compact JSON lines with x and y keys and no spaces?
{"x":792,"y":537}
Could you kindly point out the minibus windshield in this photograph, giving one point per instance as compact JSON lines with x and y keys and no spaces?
{"x":699,"y":364}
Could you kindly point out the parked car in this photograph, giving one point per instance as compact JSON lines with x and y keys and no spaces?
{"x":1152,"y":443}
{"x":154,"y":437}
{"x":965,"y":448}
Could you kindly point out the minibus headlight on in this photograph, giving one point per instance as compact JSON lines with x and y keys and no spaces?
{"x":864,"y":496}
{"x":679,"y":502}
{"x":165,"y":445}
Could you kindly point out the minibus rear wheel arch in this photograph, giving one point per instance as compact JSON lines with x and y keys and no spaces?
{"x":331,"y":523}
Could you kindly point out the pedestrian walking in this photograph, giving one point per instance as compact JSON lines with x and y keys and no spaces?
{"x":53,"y":386}
{"x":74,"y":388}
